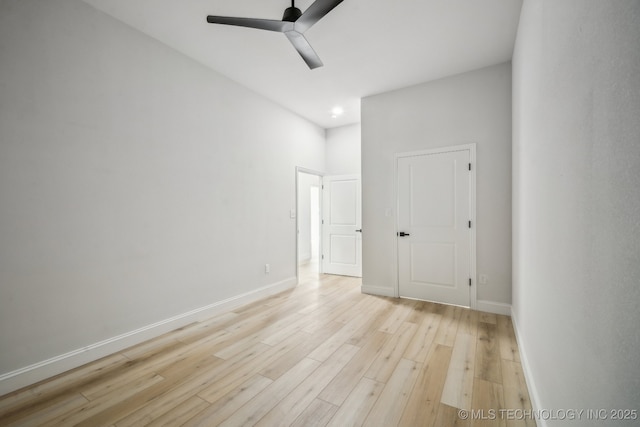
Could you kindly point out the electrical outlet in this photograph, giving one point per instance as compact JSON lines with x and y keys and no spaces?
{"x":484,"y":279}
{"x":267,"y":269}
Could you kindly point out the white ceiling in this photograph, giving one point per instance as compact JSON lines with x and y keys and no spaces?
{"x":367,"y":47}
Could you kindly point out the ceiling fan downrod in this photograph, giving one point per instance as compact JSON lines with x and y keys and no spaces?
{"x":291,"y":14}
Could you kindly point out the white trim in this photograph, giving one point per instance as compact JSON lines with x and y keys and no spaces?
{"x":31,"y":374}
{"x":378,"y":290}
{"x":534,"y":396}
{"x":493,"y":307}
{"x":473,"y":294}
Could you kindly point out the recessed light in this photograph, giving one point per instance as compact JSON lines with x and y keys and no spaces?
{"x":336,"y":111}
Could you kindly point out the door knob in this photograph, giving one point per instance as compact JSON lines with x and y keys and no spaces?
{"x":359,"y":230}
{"x":402,"y":234}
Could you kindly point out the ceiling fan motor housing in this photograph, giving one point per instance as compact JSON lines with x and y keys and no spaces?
{"x":291,"y":14}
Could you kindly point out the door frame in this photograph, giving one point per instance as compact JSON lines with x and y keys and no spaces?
{"x":471,"y":148}
{"x":300,"y":169}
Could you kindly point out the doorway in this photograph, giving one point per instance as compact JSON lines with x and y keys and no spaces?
{"x":308,"y":224}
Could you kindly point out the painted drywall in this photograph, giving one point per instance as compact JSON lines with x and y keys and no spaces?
{"x":305,"y":182}
{"x":474,"y":107}
{"x":576,"y":203}
{"x":343,"y":150}
{"x":135,"y":184}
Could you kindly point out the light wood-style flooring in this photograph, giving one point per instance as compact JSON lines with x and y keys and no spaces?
{"x":322,"y":354}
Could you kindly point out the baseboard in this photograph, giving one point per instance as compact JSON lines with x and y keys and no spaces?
{"x":378,"y":290}
{"x":528,"y":376}
{"x":32,"y":374}
{"x":493,"y":307}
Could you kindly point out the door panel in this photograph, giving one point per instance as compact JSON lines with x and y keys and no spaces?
{"x":343,"y":249}
{"x":434,"y":212}
{"x":343,"y":210}
{"x":440,"y":270}
{"x":342,"y":243}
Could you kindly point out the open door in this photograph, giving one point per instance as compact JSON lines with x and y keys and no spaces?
{"x":342,"y":225}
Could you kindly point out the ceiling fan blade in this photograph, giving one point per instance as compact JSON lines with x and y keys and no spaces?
{"x":314,"y":13}
{"x":261,"y":24}
{"x":304,"y":49}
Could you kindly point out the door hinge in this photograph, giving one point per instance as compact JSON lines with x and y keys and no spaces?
{"x":323,"y":221}
{"x":322,"y":256}
{"x":469,"y":224}
{"x":469,"y":166}
{"x":469,"y":281}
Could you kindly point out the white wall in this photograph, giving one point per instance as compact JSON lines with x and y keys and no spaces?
{"x":471,"y":107}
{"x":576,"y":202}
{"x":343,"y":150}
{"x":135,"y":184}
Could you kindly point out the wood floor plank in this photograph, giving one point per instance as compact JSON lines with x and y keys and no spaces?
{"x":368,"y":305}
{"x":507,"y":339}
{"x":329,"y":312}
{"x":251,"y":412}
{"x":289,"y":408}
{"x":296,"y":324}
{"x":424,"y":338}
{"x":417,"y":313}
{"x":356,"y":408}
{"x":262,"y":332}
{"x":327,"y":348}
{"x":240,"y":372}
{"x":372,"y":328}
{"x":317,"y":414}
{"x":300,"y":358}
{"x":151,"y":403}
{"x":403,"y":309}
{"x":146,"y":402}
{"x":178,"y":415}
{"x":516,"y":395}
{"x":47,"y":393}
{"x":389,"y":407}
{"x":384,"y":365}
{"x":340,"y":387}
{"x":488,"y":318}
{"x":332,"y":304}
{"x":424,"y":401}
{"x":307,"y":343}
{"x":179,"y":388}
{"x":68,"y":405}
{"x":458,"y":387}
{"x":448,"y":327}
{"x":95,"y":408}
{"x":468,"y":322}
{"x":487,"y":365}
{"x":488,"y":399}
{"x":224,"y":407}
{"x":448,"y":416}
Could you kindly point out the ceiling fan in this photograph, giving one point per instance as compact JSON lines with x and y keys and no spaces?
{"x":294,"y":23}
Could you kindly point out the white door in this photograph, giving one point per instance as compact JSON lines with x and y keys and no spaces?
{"x":434,"y":256}
{"x":342,"y":226}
